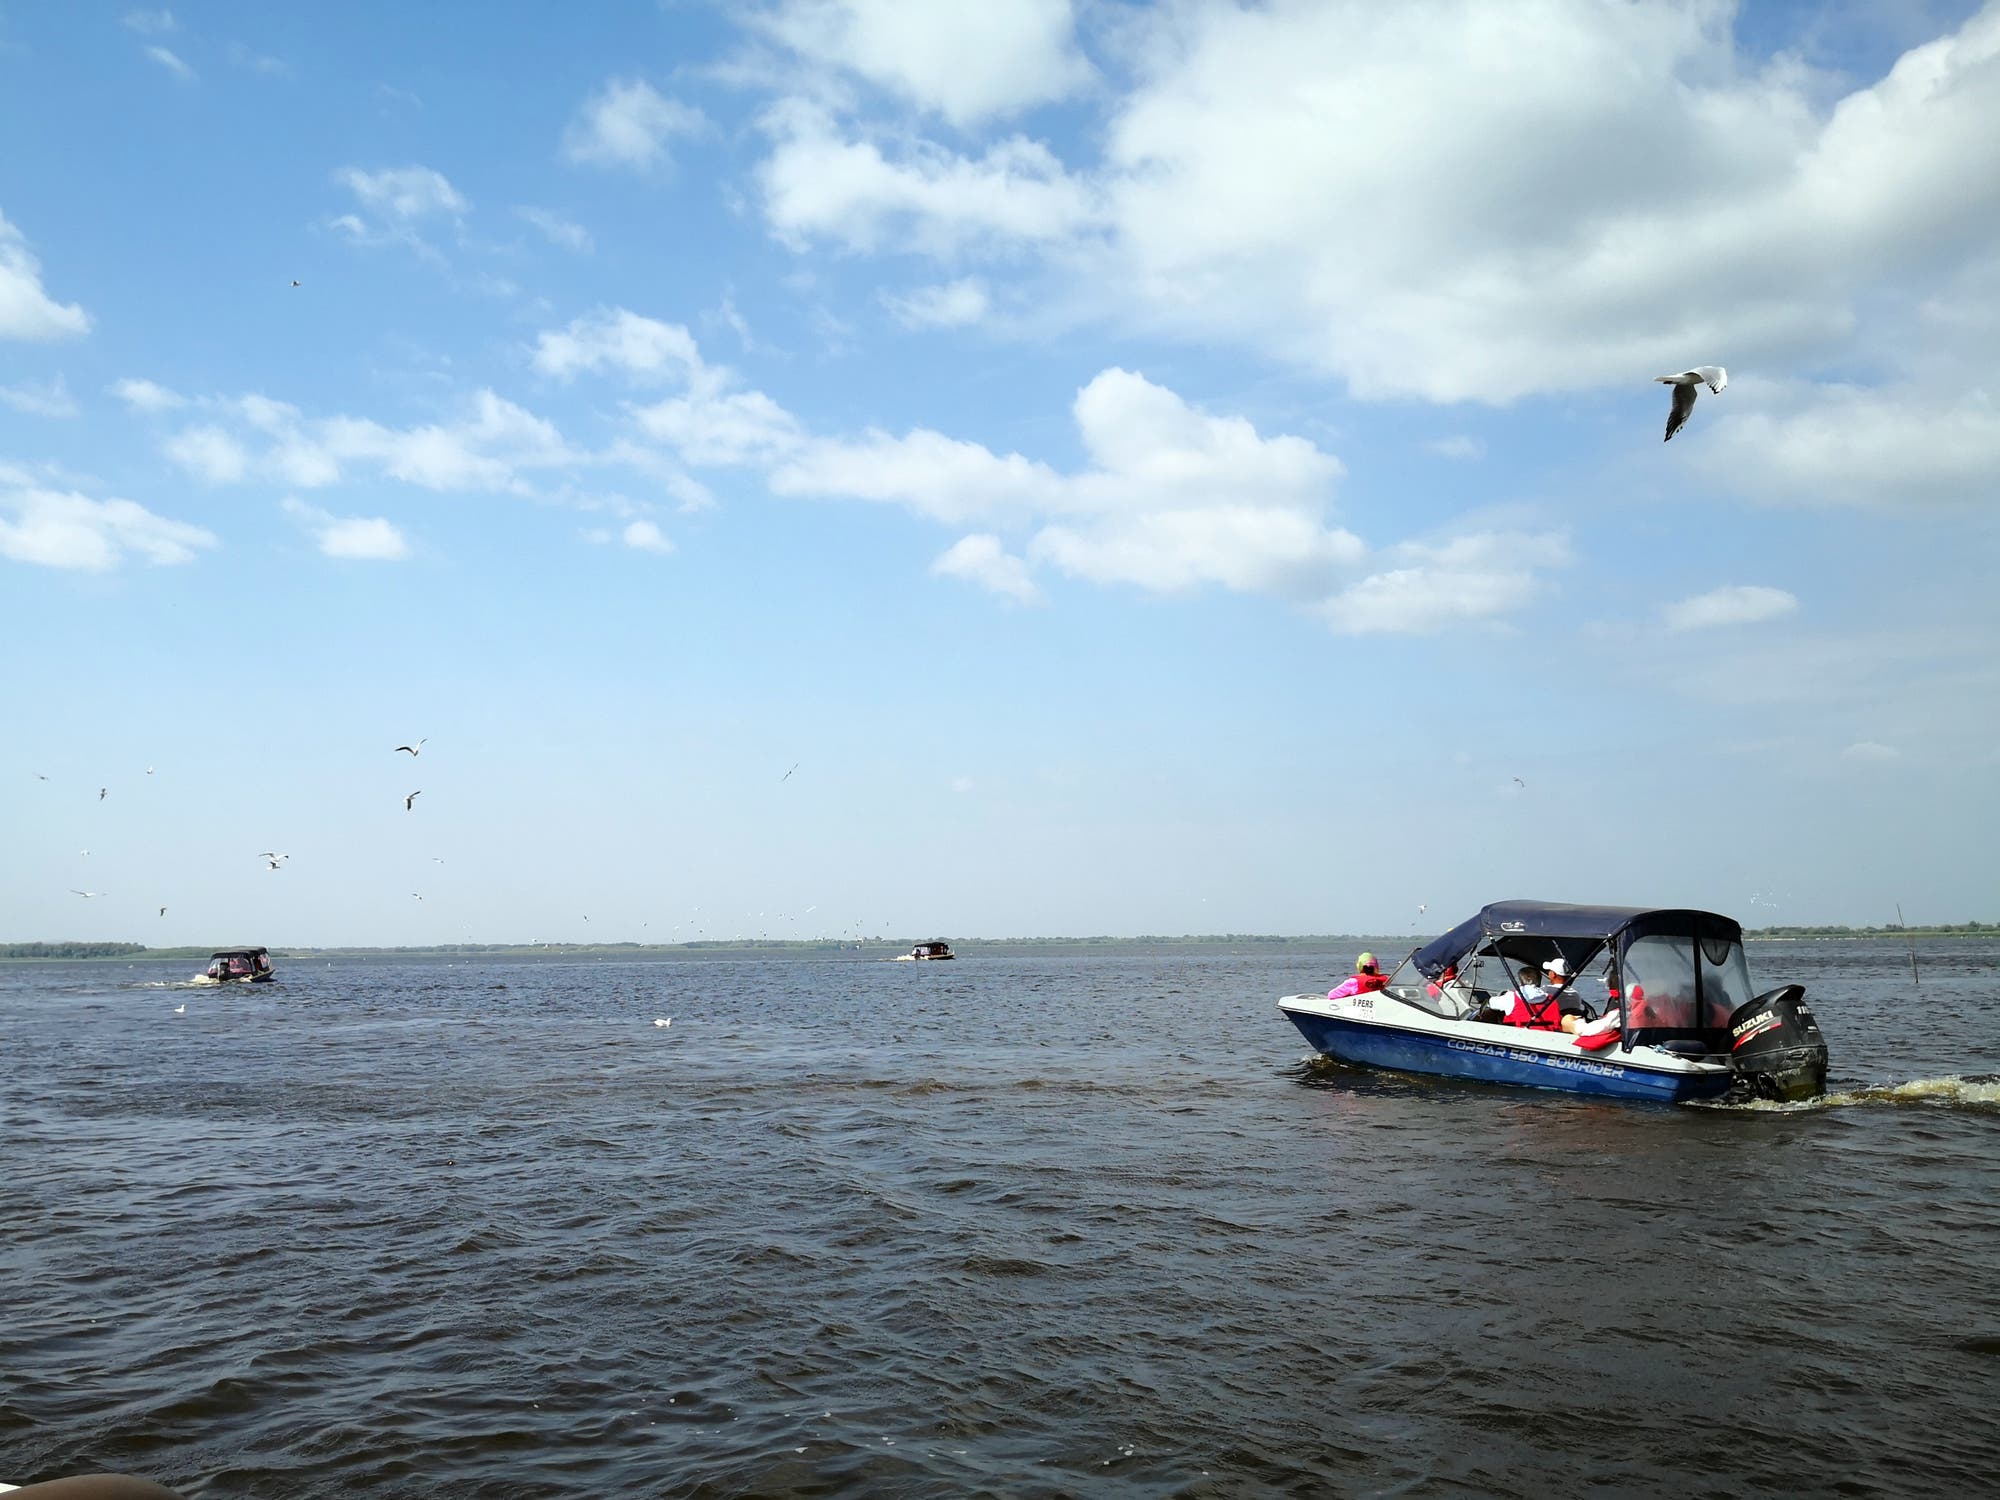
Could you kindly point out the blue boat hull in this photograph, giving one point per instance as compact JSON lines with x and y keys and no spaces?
{"x":1379,"y":1046}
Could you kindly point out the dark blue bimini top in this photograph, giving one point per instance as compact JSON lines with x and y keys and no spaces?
{"x":1552,"y":921}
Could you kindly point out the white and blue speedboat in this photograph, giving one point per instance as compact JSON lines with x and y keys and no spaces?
{"x":1663,"y":999}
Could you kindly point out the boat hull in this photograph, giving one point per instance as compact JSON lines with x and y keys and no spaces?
{"x":1496,"y":1059}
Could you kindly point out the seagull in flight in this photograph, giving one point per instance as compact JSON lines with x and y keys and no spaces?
{"x":412,"y":798}
{"x":1686,"y":388}
{"x":295,"y":283}
{"x":272,"y":854}
{"x":416,"y":749}
{"x":276,"y":864}
{"x":87,"y":895}
{"x":149,"y":770}
{"x":1520,"y":783}
{"x":788,"y":775}
{"x":103,"y":792}
{"x":163,"y":911}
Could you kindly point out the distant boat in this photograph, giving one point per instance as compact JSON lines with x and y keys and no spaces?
{"x":934,"y":949}
{"x":238,"y":966}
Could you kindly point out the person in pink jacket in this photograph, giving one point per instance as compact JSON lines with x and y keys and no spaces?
{"x":1365,"y":980}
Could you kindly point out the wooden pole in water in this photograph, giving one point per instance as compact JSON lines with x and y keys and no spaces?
{"x":1914,"y":979}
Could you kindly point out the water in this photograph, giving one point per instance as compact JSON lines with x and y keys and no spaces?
{"x":1014,"y":1226}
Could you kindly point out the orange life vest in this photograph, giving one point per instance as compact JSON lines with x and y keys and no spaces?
{"x":1544,"y":1014}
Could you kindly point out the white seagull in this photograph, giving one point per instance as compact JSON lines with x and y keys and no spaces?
{"x":416,"y":749}
{"x":788,"y":775}
{"x":87,"y":895}
{"x":663,"y":1020}
{"x":181,"y":1009}
{"x":1685,"y":390}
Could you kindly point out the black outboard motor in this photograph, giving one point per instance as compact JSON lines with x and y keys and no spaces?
{"x":1775,"y":1046}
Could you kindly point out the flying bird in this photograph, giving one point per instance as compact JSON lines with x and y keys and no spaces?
{"x":272,"y":854}
{"x":276,"y":864}
{"x":163,"y":911}
{"x":103,"y":792}
{"x":788,"y":775}
{"x":1685,"y":387}
{"x":40,"y":777}
{"x":416,"y":749}
{"x":412,"y":798}
{"x":1520,"y":783}
{"x":294,"y":283}
{"x":87,"y":894}
{"x":149,"y":770}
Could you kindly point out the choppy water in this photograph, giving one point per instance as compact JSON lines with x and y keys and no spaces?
{"x":1022,"y":1226}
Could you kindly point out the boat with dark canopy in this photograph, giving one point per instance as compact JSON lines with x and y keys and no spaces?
{"x":239,"y":966}
{"x":1665,"y":1008}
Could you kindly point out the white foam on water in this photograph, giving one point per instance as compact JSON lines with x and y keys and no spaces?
{"x":1951,"y":1091}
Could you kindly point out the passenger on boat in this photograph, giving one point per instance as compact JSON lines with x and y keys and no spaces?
{"x":1547,"y":1009}
{"x":1365,"y":980}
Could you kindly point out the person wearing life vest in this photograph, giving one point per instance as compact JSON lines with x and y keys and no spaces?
{"x":1545,"y":1009}
{"x":1365,"y":980}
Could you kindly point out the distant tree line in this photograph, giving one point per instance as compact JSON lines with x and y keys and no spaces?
{"x":1887,"y":929}
{"x":69,"y":950}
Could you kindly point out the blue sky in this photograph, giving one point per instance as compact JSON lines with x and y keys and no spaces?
{"x":1150,"y":469}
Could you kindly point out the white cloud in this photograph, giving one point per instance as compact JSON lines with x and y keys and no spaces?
{"x":952,"y":305}
{"x":628,"y":124}
{"x":26,"y":311}
{"x":66,"y":530}
{"x":1869,"y":752}
{"x":1468,"y":578}
{"x":51,"y":400}
{"x":965,"y":62}
{"x":1450,"y":201}
{"x":243,"y":57}
{"x":1842,"y":444}
{"x":150,"y":22}
{"x":359,"y":538}
{"x":644,"y":536}
{"x":714,"y":429}
{"x":171,"y":62}
{"x":491,"y":447}
{"x":144,"y":395}
{"x":1744,"y":604}
{"x":209,"y":453}
{"x":622,"y":340}
{"x":403,"y":195}
{"x":983,"y":560}
{"x":818,"y":183}
{"x":1458,"y":445}
{"x":559,"y":231}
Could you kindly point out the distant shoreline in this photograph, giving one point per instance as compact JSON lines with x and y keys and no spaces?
{"x":107,"y":952}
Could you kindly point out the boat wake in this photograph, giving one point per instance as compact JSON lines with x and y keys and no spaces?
{"x":1950,"y":1092}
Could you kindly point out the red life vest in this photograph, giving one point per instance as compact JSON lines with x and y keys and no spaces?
{"x":1367,"y":984}
{"x":1544,"y":1014}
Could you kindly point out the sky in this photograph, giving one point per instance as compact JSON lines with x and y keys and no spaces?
{"x":835,"y":467}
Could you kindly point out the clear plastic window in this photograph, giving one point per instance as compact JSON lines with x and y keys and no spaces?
{"x":1725,"y":980}
{"x":1659,"y":983}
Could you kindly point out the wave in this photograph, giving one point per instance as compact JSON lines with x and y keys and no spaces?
{"x":1949,"y":1092}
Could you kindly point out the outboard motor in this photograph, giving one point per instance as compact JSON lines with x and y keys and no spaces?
{"x":1775,"y":1046}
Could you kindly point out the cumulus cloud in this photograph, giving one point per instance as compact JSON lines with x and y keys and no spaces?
{"x":952,"y":305}
{"x":644,"y":536}
{"x":145,"y":396}
{"x":982,"y":559}
{"x":621,"y":340}
{"x":27,"y":311}
{"x":559,"y":231}
{"x":494,"y":446}
{"x":172,"y":62}
{"x":1844,"y":444}
{"x":967,"y":63}
{"x":821,"y":183}
{"x":1870,"y":752}
{"x":1332,"y":184}
{"x":1431,"y":586}
{"x":58,"y":529}
{"x":1744,"y":604}
{"x":361,"y":538}
{"x":51,"y":400}
{"x":628,"y":123}
{"x":1457,"y":446}
{"x":403,"y":195}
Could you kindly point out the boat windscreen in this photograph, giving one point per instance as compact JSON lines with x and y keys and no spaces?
{"x":1660,"y":982}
